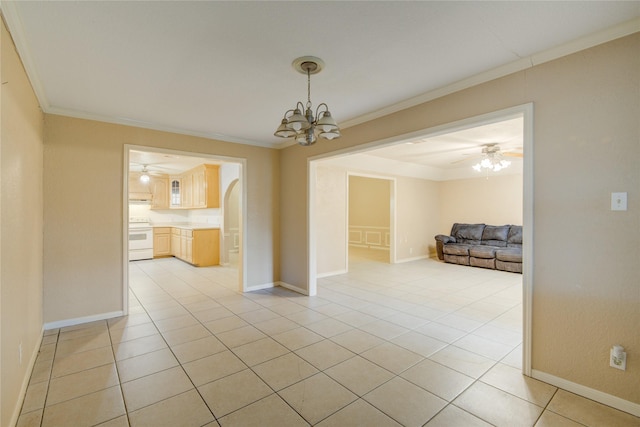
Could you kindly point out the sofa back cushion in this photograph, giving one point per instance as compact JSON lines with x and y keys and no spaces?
{"x":514,"y":239}
{"x":468,"y":233}
{"x":495,"y":235}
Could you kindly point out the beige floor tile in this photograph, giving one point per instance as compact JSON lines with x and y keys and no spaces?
{"x":132,"y":319}
{"x":503,"y":336}
{"x":452,"y":416}
{"x":484,"y":347}
{"x":133,"y":332}
{"x":186,"y":409}
{"x":460,"y":322}
{"x":406,"y":403}
{"x":139,"y":346}
{"x":317,"y":397}
{"x":154,"y":388}
{"x":551,"y":419}
{"x":511,"y":380}
{"x":225,"y":324}
{"x":285,"y":370}
{"x":260,"y":351}
{"x":77,"y":362}
{"x":359,"y":413}
{"x":588,"y":412}
{"x":271,"y":411}
{"x":87,"y":410}
{"x":359,"y":375}
{"x":276,"y":326}
{"x":121,"y":421}
{"x":441,"y":332}
{"x":286,"y":308}
{"x":406,"y":320}
{"x":355,"y":318}
{"x":438,"y":379}
{"x":383,"y":329}
{"x":463,"y":361}
{"x":181,"y":336}
{"x":178,"y":322}
{"x":168,"y":313}
{"x":497,"y":407}
{"x":234,"y":392}
{"x":35,"y":396}
{"x":50,"y":339}
{"x":514,"y":359}
{"x":198,"y":349}
{"x":357,"y":341}
{"x":41,"y":371}
{"x":146,"y":364}
{"x":201,"y":305}
{"x":83,"y":343}
{"x":306,"y":317}
{"x":240,"y":336}
{"x":242,"y":306}
{"x":30,"y":419}
{"x":419,"y":344}
{"x":47,"y":351}
{"x":392,"y":357}
{"x":84,"y":330}
{"x":212,"y":314}
{"x":329,"y":327}
{"x":297,"y":338}
{"x":260,"y":315}
{"x":82,"y":383}
{"x":213,"y":367}
{"x":324,"y":354}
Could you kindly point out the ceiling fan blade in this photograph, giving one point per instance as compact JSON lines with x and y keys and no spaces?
{"x":512,"y":154}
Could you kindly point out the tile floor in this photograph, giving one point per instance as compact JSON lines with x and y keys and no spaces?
{"x":420,"y":343}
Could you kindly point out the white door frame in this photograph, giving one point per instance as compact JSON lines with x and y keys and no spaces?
{"x":525,"y":111}
{"x":242,"y":276}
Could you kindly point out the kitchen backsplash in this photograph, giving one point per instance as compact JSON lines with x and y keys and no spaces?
{"x":199,"y":216}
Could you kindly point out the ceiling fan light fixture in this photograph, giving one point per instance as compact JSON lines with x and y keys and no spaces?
{"x":145,"y":178}
{"x":492,"y":159}
{"x":306,"y":128}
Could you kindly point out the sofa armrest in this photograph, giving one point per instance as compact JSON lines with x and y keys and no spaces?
{"x":445,"y":239}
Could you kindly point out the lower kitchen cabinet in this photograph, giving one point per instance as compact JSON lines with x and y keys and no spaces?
{"x":161,"y":241}
{"x":199,"y":247}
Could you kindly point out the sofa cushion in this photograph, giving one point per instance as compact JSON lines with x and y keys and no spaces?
{"x":483,"y":251}
{"x":513,"y":267}
{"x":469,"y":233}
{"x":456,"y":259}
{"x":495,"y":235}
{"x":514,"y":240}
{"x":456,"y":249}
{"x":509,"y":255}
{"x":482,"y":262}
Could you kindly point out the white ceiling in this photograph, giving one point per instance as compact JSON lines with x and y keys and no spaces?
{"x":222,"y":69}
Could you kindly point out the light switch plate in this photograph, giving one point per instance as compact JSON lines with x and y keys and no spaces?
{"x":618,"y":201}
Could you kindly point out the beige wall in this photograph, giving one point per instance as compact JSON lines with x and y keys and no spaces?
{"x":585,"y":272}
{"x":331,"y":220}
{"x":20,"y":228}
{"x":417,"y":215}
{"x":369,"y":200}
{"x":496,"y":201}
{"x":83,"y":248}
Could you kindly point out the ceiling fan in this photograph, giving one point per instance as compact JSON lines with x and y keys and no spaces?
{"x":490,"y":150}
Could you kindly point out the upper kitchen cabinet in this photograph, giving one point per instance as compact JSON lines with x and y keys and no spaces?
{"x":159,"y":186}
{"x":196,"y":188}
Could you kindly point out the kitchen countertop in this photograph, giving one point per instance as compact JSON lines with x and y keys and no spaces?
{"x":186,"y":225}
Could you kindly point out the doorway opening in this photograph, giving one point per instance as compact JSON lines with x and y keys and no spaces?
{"x":200,"y":191}
{"x":327,"y":171}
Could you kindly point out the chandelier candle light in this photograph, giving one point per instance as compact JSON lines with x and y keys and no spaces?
{"x":306,"y":128}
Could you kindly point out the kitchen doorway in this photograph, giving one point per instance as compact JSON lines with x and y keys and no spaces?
{"x":168,"y":190}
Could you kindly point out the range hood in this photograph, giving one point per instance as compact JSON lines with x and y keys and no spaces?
{"x":139,"y":197}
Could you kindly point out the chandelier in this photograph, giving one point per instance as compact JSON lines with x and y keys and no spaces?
{"x":491,"y":159}
{"x":306,"y":128}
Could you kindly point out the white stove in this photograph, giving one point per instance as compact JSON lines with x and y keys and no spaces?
{"x":140,"y":239}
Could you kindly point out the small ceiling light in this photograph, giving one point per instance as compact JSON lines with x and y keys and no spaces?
{"x":306,"y":128}
{"x":144,"y":178}
{"x":492,"y":159}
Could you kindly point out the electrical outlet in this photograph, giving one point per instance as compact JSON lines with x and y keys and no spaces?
{"x":618,"y":358}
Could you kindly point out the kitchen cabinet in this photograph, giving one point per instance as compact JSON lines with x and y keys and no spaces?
{"x":161,"y":241}
{"x":159,"y":192}
{"x":138,"y":190}
{"x":200,"y":247}
{"x":197,"y":188}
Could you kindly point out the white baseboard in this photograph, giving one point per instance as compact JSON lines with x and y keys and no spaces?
{"x":260,"y":287}
{"x":416,"y":258}
{"x":589,"y":393}
{"x":331,"y":273}
{"x":293,"y":288}
{"x":80,"y":320}
{"x":25,"y":381}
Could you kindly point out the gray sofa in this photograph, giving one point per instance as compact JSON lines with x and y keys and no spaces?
{"x":480,"y":245}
